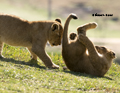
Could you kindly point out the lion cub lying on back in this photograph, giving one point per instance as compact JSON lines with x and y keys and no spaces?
{"x":31,"y":34}
{"x":75,"y":56}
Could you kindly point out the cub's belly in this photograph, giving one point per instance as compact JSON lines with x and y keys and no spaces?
{"x":16,"y":41}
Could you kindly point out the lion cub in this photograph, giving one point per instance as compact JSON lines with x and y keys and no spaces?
{"x":31,"y":34}
{"x":81,"y":55}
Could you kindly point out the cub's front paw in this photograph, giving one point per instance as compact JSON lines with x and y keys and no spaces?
{"x":2,"y":57}
{"x":54,"y":66}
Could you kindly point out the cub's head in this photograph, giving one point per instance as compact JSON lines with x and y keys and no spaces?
{"x":73,"y":36}
{"x":106,"y":52}
{"x":56,"y":33}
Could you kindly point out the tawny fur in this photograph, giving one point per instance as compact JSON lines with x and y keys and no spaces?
{"x":31,"y":34}
{"x":75,"y":53}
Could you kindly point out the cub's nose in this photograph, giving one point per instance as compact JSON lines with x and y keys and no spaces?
{"x":53,"y":44}
{"x":59,"y":43}
{"x":113,"y":54}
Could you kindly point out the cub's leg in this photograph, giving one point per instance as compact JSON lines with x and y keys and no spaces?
{"x":40,"y":52}
{"x":82,"y":29}
{"x":33,"y":61}
{"x":1,"y":47}
{"x":93,"y":55}
{"x":98,"y":63}
{"x":33,"y":55}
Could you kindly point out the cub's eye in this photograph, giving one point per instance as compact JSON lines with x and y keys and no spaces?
{"x":103,"y":48}
{"x":113,"y":53}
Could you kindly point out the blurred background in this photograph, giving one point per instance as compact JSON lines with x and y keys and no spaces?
{"x":106,"y":34}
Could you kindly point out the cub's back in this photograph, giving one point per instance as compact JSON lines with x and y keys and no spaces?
{"x":11,"y":22}
{"x":10,"y":17}
{"x":13,"y":30}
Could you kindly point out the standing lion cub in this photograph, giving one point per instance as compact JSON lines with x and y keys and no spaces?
{"x":31,"y":34}
{"x":75,"y":52}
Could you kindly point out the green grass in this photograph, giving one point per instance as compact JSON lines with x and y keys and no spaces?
{"x":18,"y":77}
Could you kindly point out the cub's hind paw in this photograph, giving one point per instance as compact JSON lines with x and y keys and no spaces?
{"x":32,"y":62}
{"x":73,"y":36}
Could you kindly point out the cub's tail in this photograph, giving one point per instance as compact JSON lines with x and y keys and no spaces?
{"x":72,"y":15}
{"x":65,"y":33}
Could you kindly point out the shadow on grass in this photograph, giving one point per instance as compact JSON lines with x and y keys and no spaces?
{"x":86,"y":75}
{"x":29,"y":63}
{"x":11,"y":60}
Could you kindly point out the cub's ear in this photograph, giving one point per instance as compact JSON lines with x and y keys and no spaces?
{"x":54,"y":27}
{"x":58,"y":20}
